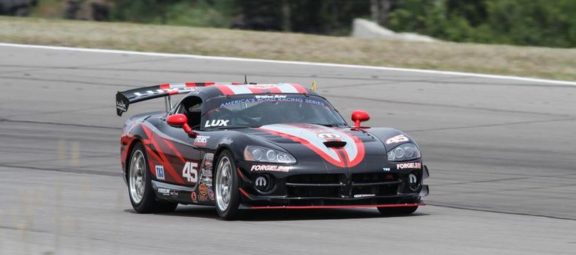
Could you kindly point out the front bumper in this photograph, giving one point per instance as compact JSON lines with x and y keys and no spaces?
{"x":337,"y":190}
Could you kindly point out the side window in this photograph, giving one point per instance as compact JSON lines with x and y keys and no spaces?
{"x":191,"y":107}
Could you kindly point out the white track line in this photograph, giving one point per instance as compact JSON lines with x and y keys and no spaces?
{"x":158,"y":54}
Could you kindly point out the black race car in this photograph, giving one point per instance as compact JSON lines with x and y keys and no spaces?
{"x":263,"y":146}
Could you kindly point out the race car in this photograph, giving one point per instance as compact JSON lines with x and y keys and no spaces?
{"x":238,"y":146}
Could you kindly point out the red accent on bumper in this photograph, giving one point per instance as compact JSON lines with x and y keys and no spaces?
{"x":298,"y":207}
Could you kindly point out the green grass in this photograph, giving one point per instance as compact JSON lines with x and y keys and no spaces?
{"x":538,"y":62}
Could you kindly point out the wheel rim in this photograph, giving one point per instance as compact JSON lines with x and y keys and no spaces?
{"x":224,"y":184}
{"x":137,"y":170}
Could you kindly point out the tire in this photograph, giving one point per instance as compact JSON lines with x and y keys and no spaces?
{"x":226,"y":187}
{"x":397,"y":211}
{"x":140,"y":189}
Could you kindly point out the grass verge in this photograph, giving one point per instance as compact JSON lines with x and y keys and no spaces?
{"x":538,"y":62}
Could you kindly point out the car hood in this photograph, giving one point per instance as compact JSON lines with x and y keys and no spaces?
{"x":340,"y":147}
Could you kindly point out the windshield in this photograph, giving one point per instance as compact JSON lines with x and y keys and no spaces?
{"x":259,"y":110}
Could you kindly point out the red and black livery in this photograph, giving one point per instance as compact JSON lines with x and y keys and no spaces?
{"x":263,"y":146}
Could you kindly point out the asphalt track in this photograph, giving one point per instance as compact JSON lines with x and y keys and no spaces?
{"x":502,"y":155}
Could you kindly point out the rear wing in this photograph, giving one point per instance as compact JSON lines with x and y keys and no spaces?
{"x":128,"y":97}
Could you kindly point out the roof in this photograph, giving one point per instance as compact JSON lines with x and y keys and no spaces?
{"x":211,"y":89}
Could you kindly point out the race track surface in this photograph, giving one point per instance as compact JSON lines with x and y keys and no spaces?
{"x":502,"y":155}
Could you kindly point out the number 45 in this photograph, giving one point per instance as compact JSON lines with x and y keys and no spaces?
{"x":190,"y":172}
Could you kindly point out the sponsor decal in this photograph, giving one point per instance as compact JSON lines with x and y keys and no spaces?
{"x":397,"y":139}
{"x":201,"y":140}
{"x":211,"y":195}
{"x":168,"y":192}
{"x":190,"y":172}
{"x":203,"y":192}
{"x":207,"y":173}
{"x":270,"y":96}
{"x":160,"y":172}
{"x":411,"y":165}
{"x":269,"y":168}
{"x":261,"y":181}
{"x":216,"y":123}
{"x":194,"y":197}
{"x":364,"y":195}
{"x":386,"y":169}
{"x":329,"y":137}
{"x":121,"y":106}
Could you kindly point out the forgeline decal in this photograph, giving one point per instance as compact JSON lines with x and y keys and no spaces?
{"x":216,"y":123}
{"x":397,"y":139}
{"x":314,"y":136}
{"x":410,"y":165}
{"x":160,"y":172}
{"x":270,"y":168}
{"x":201,"y":140}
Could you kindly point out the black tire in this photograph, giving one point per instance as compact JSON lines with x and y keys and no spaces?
{"x":397,"y":211}
{"x":230,"y":211}
{"x":148,"y":203}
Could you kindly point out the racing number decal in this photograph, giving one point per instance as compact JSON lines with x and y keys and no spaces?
{"x":190,"y":172}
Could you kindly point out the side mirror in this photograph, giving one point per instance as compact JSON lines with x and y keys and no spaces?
{"x":359,"y":116}
{"x":181,"y":121}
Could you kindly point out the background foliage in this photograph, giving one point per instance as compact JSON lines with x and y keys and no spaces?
{"x":521,"y":22}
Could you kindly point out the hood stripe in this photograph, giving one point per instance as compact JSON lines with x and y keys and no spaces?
{"x":311,"y":136}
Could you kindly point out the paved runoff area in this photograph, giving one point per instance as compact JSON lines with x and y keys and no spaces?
{"x":501,"y":153}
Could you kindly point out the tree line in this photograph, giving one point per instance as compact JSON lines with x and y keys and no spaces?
{"x":521,"y":22}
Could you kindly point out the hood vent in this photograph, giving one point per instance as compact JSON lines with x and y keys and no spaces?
{"x":335,"y":144}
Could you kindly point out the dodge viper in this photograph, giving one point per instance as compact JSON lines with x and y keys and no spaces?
{"x":238,"y":146}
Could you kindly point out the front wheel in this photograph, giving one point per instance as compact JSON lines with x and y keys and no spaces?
{"x":226,"y":187}
{"x":397,"y":211}
{"x":140,"y":188}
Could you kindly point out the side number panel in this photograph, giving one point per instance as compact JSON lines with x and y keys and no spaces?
{"x":190,"y":172}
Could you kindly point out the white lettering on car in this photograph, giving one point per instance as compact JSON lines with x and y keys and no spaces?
{"x":397,"y":139}
{"x":411,"y":165}
{"x":201,"y":140}
{"x":190,"y":172}
{"x":270,"y":168}
{"x":216,"y":123}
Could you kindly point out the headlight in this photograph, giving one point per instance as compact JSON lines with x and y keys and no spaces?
{"x":261,"y":154}
{"x":404,"y":152}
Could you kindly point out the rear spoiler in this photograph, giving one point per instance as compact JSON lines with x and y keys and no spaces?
{"x":128,"y":97}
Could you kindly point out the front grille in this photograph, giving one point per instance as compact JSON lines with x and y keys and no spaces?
{"x":315,"y":185}
{"x":373,"y":177}
{"x":376,"y":184}
{"x":339,"y":186}
{"x":316,"y":178}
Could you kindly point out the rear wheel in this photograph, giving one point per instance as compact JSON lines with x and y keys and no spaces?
{"x":140,"y":188}
{"x":226,"y":187}
{"x":391,"y":211}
